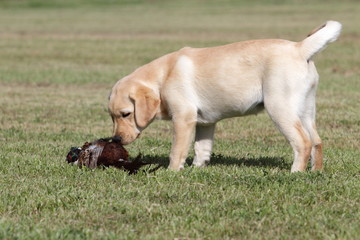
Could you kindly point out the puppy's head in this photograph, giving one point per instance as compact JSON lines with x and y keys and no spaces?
{"x":132,"y":107}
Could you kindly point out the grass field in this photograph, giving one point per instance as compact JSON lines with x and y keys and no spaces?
{"x":58,"y":62}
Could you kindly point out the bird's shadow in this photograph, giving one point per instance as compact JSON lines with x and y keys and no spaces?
{"x":218,"y":159}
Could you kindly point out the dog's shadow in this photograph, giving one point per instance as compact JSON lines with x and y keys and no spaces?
{"x":218,"y":159}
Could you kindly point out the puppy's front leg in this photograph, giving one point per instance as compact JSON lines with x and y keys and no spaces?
{"x":203,"y":144}
{"x":183,"y":136}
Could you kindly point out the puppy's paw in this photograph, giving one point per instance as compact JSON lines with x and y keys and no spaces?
{"x":200,"y":163}
{"x":176,"y":168}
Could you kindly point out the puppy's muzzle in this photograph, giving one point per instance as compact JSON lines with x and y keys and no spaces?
{"x":116,"y":139}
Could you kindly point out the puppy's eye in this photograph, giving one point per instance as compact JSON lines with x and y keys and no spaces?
{"x":124,"y":115}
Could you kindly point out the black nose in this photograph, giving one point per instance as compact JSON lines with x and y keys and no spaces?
{"x":116,"y":139}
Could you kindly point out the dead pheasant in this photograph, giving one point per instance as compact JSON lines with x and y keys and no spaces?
{"x":104,"y":152}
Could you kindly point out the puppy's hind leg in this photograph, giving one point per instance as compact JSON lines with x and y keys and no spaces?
{"x":316,"y":152}
{"x":203,"y":144}
{"x":291,"y":126}
{"x":309,"y":123}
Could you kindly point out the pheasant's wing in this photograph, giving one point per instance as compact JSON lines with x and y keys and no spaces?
{"x":95,"y":152}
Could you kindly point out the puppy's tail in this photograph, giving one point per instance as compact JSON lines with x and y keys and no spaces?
{"x":319,"y":38}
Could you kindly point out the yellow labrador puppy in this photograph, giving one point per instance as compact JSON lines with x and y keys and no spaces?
{"x":197,"y":87}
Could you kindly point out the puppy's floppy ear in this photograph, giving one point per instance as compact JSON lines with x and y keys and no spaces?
{"x":146,"y":105}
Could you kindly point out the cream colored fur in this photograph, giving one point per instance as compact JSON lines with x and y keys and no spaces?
{"x":197,"y":87}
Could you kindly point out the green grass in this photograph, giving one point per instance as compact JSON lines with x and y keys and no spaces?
{"x":58,"y":62}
